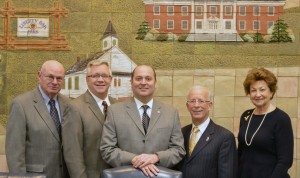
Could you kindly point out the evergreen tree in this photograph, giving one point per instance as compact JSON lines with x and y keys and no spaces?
{"x":143,"y":30}
{"x":279,"y":33}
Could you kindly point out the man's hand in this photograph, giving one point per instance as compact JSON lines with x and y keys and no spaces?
{"x":150,"y":170}
{"x":142,"y":160}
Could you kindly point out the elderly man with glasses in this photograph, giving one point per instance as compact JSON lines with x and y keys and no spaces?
{"x":211,"y":149}
{"x":33,"y":137}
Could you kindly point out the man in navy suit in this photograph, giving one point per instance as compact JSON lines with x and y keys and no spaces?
{"x":211,"y":149}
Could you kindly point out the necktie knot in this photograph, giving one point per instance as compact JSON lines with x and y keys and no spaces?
{"x":145,"y":107}
{"x":52,"y":102}
{"x":196,"y":130}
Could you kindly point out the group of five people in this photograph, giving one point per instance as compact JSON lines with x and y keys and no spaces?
{"x":80,"y":138}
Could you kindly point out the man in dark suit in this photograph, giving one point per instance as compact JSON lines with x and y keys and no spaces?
{"x":211,"y":149}
{"x":82,"y":132}
{"x":142,"y":137}
{"x":33,"y":137}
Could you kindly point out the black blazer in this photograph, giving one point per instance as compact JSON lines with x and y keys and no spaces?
{"x":214,"y":156}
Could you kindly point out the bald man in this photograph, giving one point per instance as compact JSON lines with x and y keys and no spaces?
{"x":33,"y":137}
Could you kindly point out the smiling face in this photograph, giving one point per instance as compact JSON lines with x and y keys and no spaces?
{"x":97,"y":84}
{"x":199,"y":104}
{"x":260,"y":94}
{"x":143,"y":83}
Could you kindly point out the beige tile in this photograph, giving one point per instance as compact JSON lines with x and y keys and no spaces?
{"x":273,"y":70}
{"x":208,"y":82}
{"x":239,"y":87}
{"x":204,"y":72}
{"x":241,"y":72}
{"x":292,"y":171}
{"x":236,"y":126}
{"x":3,"y":163}
{"x":297,"y":145}
{"x":223,"y":106}
{"x":164,"y":73}
{"x":183,"y":72}
{"x":226,"y":122}
{"x":164,"y":86}
{"x":2,"y":144}
{"x":179,"y":103}
{"x":225,"y":72}
{"x":294,"y":126}
{"x":166,"y":100}
{"x":289,"y":105}
{"x":224,"y":85}
{"x":288,"y":71}
{"x":181,"y":85}
{"x":298,"y":128}
{"x":287,"y":86}
{"x":185,"y":120}
{"x":241,"y":104}
{"x":297,"y":169}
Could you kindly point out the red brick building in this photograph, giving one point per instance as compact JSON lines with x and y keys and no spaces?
{"x":223,"y":19}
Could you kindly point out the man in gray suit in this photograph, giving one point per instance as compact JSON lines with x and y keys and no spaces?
{"x":142,"y":137}
{"x":33,"y":137}
{"x":82,"y":132}
{"x":211,"y":149}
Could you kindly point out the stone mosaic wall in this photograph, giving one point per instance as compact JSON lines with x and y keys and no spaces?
{"x":219,"y":65}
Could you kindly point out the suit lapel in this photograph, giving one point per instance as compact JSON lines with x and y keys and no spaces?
{"x":204,"y":140}
{"x":134,"y":114}
{"x":94,"y":107}
{"x":43,"y":112}
{"x":155,"y":114}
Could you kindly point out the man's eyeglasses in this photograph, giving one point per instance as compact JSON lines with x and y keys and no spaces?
{"x":51,"y":78}
{"x":96,"y":76}
{"x":194,"y":101}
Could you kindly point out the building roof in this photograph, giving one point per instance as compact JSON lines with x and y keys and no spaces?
{"x":110,"y":31}
{"x":81,"y":65}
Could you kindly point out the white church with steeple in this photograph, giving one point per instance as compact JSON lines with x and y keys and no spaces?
{"x":120,"y":64}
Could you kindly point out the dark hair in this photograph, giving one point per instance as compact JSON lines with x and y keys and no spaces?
{"x":257,"y":74}
{"x":132,"y":73}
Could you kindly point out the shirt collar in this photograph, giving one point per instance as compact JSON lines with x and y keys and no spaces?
{"x":98,"y":100}
{"x":202,"y":127}
{"x":45,"y":97}
{"x":139,"y":104}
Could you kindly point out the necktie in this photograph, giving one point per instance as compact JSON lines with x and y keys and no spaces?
{"x":193,"y":140}
{"x":54,"y":115}
{"x":104,"y":108}
{"x":145,"y":118}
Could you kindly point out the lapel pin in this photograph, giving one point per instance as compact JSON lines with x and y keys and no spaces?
{"x":246,"y":117}
{"x":207,"y":139}
{"x":158,"y":112}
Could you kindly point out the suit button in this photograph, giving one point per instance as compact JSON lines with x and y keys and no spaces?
{"x":143,"y":141}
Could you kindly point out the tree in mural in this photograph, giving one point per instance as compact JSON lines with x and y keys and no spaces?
{"x":143,"y":30}
{"x":279,"y":33}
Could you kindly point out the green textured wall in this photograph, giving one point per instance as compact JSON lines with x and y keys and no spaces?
{"x":86,"y":22}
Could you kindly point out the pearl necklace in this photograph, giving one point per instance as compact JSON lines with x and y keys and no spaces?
{"x":248,"y":144}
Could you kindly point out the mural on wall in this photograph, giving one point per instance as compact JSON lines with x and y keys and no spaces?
{"x":32,"y":24}
{"x":214,"y":20}
{"x":121,"y":66}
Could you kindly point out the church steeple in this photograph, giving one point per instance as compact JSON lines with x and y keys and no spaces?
{"x":110,"y":37}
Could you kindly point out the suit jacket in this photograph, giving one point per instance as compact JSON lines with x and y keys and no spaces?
{"x":33,"y":143}
{"x":81,"y":138}
{"x":214,"y":156}
{"x":123,"y":136}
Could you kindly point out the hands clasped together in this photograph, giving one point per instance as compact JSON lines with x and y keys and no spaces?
{"x":146,"y":163}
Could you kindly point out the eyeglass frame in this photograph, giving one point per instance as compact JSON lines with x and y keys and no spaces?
{"x":194,"y":101}
{"x":97,"y":76}
{"x":51,"y":78}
